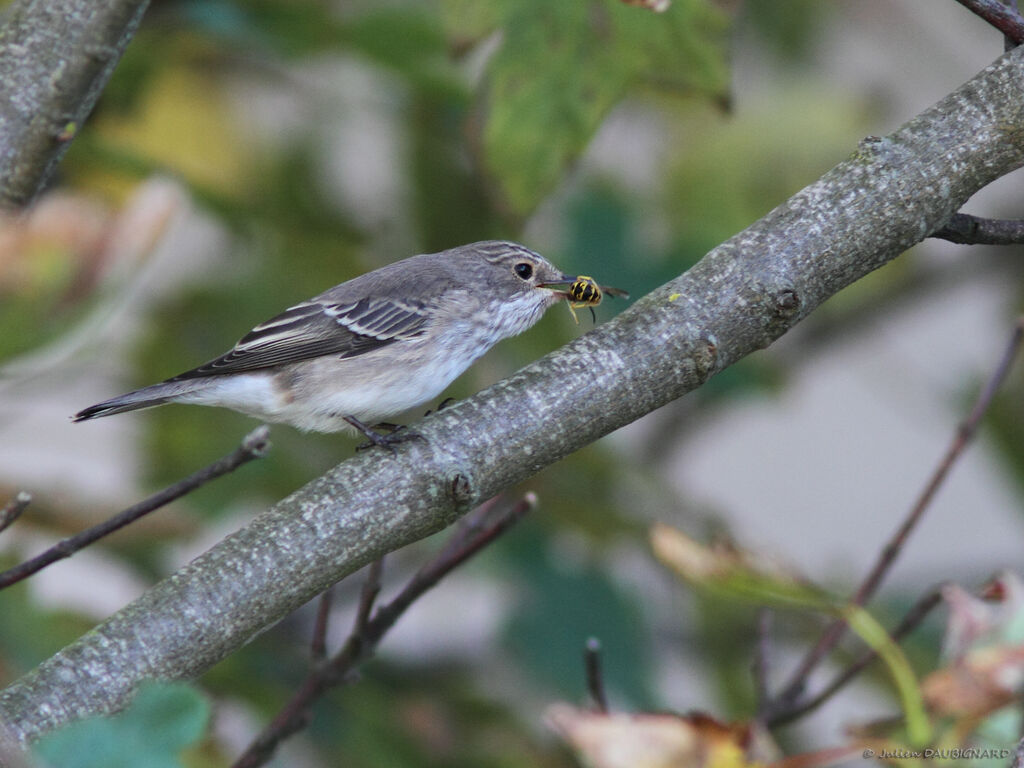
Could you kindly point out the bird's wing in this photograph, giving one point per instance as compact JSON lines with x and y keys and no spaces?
{"x":318,"y":328}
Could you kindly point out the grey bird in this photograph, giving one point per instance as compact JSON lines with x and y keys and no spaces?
{"x":372,"y":347}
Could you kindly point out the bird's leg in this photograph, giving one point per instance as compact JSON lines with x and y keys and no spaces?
{"x":397,"y":434}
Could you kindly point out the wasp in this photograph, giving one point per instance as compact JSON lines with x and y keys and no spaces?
{"x":585,"y":292}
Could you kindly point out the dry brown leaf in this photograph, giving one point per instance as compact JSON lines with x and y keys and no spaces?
{"x":979,"y":683}
{"x":984,"y":651}
{"x":621,"y":740}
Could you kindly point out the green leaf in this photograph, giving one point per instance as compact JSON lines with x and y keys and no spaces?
{"x":865,"y":626}
{"x":163,"y":719}
{"x":562,"y":66}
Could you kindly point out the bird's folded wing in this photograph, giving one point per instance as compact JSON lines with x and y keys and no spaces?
{"x":314,"y":329}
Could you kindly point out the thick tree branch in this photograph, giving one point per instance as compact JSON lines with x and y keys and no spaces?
{"x":55,"y":58}
{"x":890,"y":194}
{"x":368,"y":631}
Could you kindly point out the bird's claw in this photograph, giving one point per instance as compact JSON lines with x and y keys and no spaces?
{"x":397,"y":433}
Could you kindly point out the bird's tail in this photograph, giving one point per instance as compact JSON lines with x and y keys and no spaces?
{"x":147,"y":397}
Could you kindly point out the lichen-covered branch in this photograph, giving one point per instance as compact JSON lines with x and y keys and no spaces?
{"x":890,"y":194}
{"x":55,"y":58}
{"x":370,"y":630}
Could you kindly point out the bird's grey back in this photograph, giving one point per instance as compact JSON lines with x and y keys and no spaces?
{"x":428,"y":274}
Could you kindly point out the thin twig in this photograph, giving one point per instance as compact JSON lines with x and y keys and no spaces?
{"x":12,"y":510}
{"x":1008,"y":42}
{"x":965,"y":229}
{"x":759,"y":666}
{"x":470,"y":526}
{"x":368,"y":596}
{"x":448,"y":559}
{"x":595,"y":678}
{"x":318,"y":646}
{"x":791,"y":694}
{"x":253,"y":446}
{"x":1005,"y":19}
{"x":368,"y":632}
{"x":910,"y":621}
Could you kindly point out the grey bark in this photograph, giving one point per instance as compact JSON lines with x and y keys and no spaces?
{"x":890,"y":194}
{"x":55,"y":58}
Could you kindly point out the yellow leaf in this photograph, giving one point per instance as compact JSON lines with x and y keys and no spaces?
{"x":182,"y":123}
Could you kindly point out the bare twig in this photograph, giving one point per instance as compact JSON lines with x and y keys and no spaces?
{"x":368,"y":596}
{"x":791,"y":694}
{"x":469,"y":542}
{"x":367,"y":632}
{"x":253,"y":446}
{"x":595,"y":678}
{"x":965,"y":229}
{"x":1006,"y":19}
{"x":12,"y":510}
{"x":470,"y":526}
{"x":759,"y":667}
{"x":318,"y":647}
{"x":1008,"y":42}
{"x":910,"y":621}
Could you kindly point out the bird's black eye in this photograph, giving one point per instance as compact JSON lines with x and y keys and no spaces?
{"x":524,"y":270}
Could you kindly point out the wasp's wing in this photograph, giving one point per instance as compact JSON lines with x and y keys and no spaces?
{"x":316,"y":328}
{"x":617,"y":292}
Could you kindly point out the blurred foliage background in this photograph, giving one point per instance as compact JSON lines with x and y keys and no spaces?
{"x":304,"y":142}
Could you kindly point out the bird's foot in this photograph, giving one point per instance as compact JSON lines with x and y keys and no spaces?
{"x":396,"y":433}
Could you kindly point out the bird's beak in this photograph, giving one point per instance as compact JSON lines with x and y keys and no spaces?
{"x":560,"y":286}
